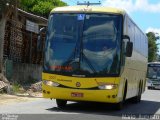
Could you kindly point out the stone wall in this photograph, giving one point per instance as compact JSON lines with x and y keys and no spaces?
{"x":26,"y":73}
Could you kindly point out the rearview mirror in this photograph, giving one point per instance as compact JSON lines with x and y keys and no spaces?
{"x":126,"y":37}
{"x":129,"y":46}
{"x":129,"y":49}
{"x":39,"y":41}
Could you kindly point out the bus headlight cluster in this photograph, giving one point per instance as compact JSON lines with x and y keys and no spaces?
{"x":51,"y":83}
{"x":107,"y":86}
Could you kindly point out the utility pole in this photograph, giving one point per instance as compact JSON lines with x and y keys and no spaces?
{"x":88,"y":3}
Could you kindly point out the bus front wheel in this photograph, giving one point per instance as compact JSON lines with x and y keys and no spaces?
{"x":137,"y":98}
{"x":61,"y":103}
{"x":119,"y":105}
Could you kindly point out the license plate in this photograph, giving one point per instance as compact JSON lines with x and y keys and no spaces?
{"x":75,"y":94}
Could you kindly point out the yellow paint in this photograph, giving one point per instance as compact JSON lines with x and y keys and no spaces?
{"x":90,"y":9}
{"x":134,"y":70}
{"x":87,"y":83}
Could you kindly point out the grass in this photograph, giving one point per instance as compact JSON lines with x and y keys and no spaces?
{"x":16,"y":87}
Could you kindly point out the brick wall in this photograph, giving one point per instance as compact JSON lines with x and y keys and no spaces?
{"x":26,"y":73}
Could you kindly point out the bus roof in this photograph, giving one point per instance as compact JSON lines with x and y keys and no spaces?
{"x":87,"y":9}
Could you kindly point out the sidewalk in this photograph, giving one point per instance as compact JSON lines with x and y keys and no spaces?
{"x":9,"y":99}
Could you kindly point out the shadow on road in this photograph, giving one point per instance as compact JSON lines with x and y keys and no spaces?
{"x":144,"y":107}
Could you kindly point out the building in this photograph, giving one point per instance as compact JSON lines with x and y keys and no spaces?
{"x":22,"y":52}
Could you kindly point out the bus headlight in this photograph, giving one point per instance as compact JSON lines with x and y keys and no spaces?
{"x":107,"y":86}
{"x":51,"y":83}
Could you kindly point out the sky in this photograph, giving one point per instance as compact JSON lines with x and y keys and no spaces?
{"x":145,"y":13}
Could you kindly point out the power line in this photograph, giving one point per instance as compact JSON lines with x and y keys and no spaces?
{"x":88,"y":3}
{"x":75,"y":2}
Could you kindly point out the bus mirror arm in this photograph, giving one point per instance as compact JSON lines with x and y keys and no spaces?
{"x":39,"y":40}
{"x":129,"y":46}
{"x":126,"y":37}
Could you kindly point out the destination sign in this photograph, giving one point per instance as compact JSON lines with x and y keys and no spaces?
{"x":153,"y":65}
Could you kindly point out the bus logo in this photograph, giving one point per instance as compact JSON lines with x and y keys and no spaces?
{"x":78,"y":84}
{"x":80,"y":16}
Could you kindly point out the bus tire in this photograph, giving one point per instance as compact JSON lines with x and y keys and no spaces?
{"x":137,"y":98}
{"x":61,"y":103}
{"x":119,"y":105}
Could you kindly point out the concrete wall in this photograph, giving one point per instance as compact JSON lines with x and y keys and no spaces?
{"x":26,"y":73}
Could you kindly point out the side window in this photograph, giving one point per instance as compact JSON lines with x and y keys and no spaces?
{"x":131,"y":32}
{"x":137,"y":39}
{"x":146,"y":46}
{"x":140,"y":43}
{"x":143,"y":45}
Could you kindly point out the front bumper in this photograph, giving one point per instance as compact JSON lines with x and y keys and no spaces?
{"x":108,"y":96}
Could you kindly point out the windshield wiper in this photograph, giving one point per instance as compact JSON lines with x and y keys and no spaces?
{"x":72,"y":58}
{"x":88,"y":62}
{"x":77,"y":56}
{"x":82,"y":55}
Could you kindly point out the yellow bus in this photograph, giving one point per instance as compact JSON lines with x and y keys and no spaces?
{"x":93,"y":53}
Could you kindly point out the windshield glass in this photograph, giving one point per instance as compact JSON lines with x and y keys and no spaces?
{"x":101,"y":43}
{"x":154,"y":72}
{"x":83,"y":44}
{"x":61,"y":41}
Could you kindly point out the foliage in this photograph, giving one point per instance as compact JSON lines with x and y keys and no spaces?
{"x":5,"y":4}
{"x":16,"y":87}
{"x":40,"y":7}
{"x":152,"y":47}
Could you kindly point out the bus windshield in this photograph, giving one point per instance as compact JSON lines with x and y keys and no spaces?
{"x":153,"y":72}
{"x":83,"y":44}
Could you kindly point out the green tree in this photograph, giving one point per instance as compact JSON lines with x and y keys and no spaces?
{"x":40,"y":7}
{"x":152,"y":47}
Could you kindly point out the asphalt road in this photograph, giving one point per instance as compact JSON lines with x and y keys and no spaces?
{"x":45,"y":109}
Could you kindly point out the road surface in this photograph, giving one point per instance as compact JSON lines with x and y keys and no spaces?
{"x":46,"y":109}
